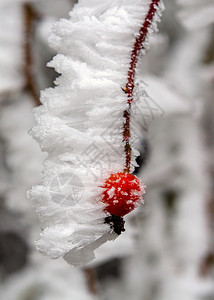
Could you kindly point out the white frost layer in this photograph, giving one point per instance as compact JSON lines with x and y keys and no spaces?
{"x":80,"y":124}
{"x":45,"y":279}
{"x":11,"y":78}
{"x":23,"y":156}
{"x":196,"y":14}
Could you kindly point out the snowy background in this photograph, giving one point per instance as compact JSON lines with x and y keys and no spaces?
{"x":167,"y":251}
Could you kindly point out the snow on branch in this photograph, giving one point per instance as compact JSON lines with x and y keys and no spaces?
{"x":196,"y":14}
{"x":81,"y":122}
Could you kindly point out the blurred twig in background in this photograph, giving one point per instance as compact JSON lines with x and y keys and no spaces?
{"x":30,"y":15}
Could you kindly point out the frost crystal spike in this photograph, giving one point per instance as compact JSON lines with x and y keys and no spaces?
{"x":84,"y":122}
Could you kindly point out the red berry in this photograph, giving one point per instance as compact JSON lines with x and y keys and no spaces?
{"x":123,"y":192}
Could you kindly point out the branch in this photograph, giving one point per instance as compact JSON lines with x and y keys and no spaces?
{"x":91,"y":280}
{"x":31,"y":86}
{"x":138,"y":45}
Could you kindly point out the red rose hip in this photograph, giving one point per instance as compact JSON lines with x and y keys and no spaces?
{"x":123,"y":192}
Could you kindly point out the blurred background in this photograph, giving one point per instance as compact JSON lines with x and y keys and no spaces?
{"x":167,"y":251}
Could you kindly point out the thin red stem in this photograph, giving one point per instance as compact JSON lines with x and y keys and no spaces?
{"x":131,"y":76}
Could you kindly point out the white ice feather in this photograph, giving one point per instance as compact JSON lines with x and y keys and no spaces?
{"x":80,"y":124}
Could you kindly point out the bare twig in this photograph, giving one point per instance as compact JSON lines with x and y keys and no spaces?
{"x":91,"y":281}
{"x":207,"y":261}
{"x":29,"y":18}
